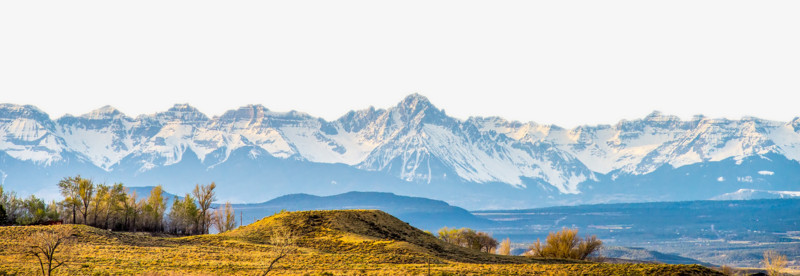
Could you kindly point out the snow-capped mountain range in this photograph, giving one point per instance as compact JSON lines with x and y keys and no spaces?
{"x":413,"y":144}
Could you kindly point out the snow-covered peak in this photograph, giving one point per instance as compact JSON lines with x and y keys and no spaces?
{"x":658,"y":116}
{"x":526,"y":132}
{"x":414,"y":98}
{"x":183,"y":113}
{"x":292,"y":115}
{"x":250,"y":113}
{"x":184,"y":108}
{"x":104,"y":136}
{"x":103,"y":113}
{"x":416,"y":109}
{"x":27,"y":133}
{"x":260,"y":115}
{"x":355,"y":121}
{"x":14,"y":111}
{"x":9,"y":107}
{"x":414,"y":103}
{"x":279,"y":133}
{"x":498,"y":122}
{"x":656,"y":119}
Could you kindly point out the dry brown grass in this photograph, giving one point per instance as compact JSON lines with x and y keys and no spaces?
{"x":335,"y":242}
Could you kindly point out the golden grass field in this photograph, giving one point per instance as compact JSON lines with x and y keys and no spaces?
{"x":353,"y":242}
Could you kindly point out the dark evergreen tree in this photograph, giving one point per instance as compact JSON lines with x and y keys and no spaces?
{"x":3,"y":216}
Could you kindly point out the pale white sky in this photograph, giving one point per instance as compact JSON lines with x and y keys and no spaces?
{"x":553,"y":62}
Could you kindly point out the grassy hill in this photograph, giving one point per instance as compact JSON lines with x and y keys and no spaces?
{"x":352,"y":242}
{"x":368,"y":231}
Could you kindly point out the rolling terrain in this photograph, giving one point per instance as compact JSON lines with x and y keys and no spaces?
{"x":713,"y":232}
{"x":333,"y":242}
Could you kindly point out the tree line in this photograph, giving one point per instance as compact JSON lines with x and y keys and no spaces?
{"x":113,"y":207}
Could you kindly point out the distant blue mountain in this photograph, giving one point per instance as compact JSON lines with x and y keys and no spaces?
{"x":420,"y":212}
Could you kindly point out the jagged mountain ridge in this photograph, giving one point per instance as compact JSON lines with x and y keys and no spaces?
{"x":413,"y":141}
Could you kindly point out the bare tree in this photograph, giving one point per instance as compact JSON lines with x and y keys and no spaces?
{"x":204,"y":195}
{"x":282,"y":240}
{"x":45,"y":244}
{"x":224,"y":218}
{"x":774,"y":262}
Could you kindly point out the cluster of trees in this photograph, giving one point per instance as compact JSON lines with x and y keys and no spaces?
{"x":192,"y":215}
{"x":468,"y":238}
{"x":113,"y":207}
{"x":25,"y":211}
{"x":107,"y":207}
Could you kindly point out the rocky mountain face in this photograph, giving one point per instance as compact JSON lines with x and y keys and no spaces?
{"x":412,"y":147}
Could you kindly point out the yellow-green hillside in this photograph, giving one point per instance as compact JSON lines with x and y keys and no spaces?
{"x":370,"y":232}
{"x":353,"y":242}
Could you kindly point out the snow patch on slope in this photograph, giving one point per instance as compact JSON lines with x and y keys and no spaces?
{"x":504,"y":163}
{"x":97,"y":146}
{"x":27,"y":140}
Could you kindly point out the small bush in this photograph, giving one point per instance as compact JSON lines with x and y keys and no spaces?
{"x":774,"y":262}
